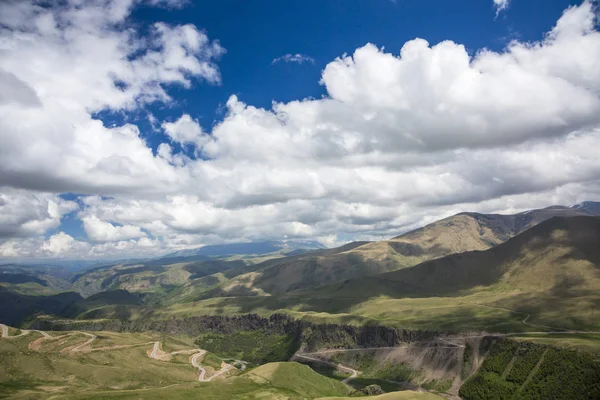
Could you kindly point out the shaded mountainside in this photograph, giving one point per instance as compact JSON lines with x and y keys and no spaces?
{"x":548,"y":275}
{"x":148,"y":277}
{"x":110,"y":304}
{"x":34,"y":279}
{"x":15,"y":307}
{"x":559,"y":256}
{"x":457,"y":234}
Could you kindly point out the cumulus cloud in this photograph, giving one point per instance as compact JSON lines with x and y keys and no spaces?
{"x":186,"y":131}
{"x":79,"y":59}
{"x":104,"y":231}
{"x":24,"y":213}
{"x":400,"y":140}
{"x":294,"y":58}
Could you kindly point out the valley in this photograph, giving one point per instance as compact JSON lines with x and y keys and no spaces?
{"x":452,"y":310}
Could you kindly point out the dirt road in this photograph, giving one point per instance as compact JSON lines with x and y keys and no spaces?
{"x":92,"y":338}
{"x":158,"y":354}
{"x":5,"y":332}
{"x":307,"y":356}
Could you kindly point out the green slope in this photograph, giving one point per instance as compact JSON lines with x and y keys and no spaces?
{"x":457,"y":234}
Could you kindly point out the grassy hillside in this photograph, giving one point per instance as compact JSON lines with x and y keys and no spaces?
{"x":33,"y":280}
{"x":15,"y":307}
{"x":117,"y":365}
{"x":39,"y":366}
{"x":546,"y":276}
{"x":298,"y":378}
{"x":150,"y":277}
{"x":552,"y":268}
{"x":457,"y":234}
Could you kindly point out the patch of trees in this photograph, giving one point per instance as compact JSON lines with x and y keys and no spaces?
{"x":565,"y":374}
{"x":562,"y":374}
{"x":500,"y":355}
{"x":257,"y":347}
{"x":528,"y":356}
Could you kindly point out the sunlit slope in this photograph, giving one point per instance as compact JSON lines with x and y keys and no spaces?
{"x":456,"y":234}
{"x":553,"y":269}
{"x":560,"y":256}
{"x":151,"y":276}
{"x":101,"y":365}
{"x":39,"y":367}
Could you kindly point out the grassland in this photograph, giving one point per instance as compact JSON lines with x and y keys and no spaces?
{"x":34,"y":366}
{"x":587,"y":342}
{"x":404,"y":395}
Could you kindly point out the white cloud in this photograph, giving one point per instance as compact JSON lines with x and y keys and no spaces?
{"x":76,"y":60}
{"x":104,"y":231}
{"x":400,"y":139}
{"x":24,"y":213}
{"x":294,"y":58}
{"x":58,"y":244}
{"x":500,"y":6}
{"x":186,"y":131}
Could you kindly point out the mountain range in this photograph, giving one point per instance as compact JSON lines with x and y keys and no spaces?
{"x":450,"y":256}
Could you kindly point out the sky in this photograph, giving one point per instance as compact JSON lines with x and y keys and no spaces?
{"x":134,"y":128}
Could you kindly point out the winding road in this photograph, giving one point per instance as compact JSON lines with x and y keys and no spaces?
{"x":202,"y":375}
{"x":195,"y":359}
{"x":307,"y":356}
{"x":92,"y":338}
{"x":156,"y":353}
{"x":5,"y":332}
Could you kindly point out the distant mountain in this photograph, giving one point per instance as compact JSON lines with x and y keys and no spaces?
{"x":250,"y":248}
{"x":37,"y":279}
{"x":552,"y":267}
{"x":456,"y":234}
{"x":15,"y":307}
{"x":589,"y":207}
{"x":474,"y":231}
{"x":152,"y":277}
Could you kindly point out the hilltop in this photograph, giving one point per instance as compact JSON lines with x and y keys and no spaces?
{"x":456,"y":234}
{"x":552,"y":269}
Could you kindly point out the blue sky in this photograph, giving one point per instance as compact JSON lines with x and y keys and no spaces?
{"x":150,"y":128}
{"x":254,"y":33}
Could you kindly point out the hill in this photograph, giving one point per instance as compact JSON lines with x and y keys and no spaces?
{"x":250,"y":248}
{"x":457,"y":234}
{"x":152,"y":278}
{"x":551,"y":271}
{"x":15,"y":307}
{"x":557,"y":256}
{"x":76,"y":365}
{"x":34,"y":279}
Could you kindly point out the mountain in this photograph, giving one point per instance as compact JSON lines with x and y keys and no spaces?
{"x":551,"y":270}
{"x":152,"y":278}
{"x":250,"y":248}
{"x":560,"y":253}
{"x":15,"y":307}
{"x":473,"y":231}
{"x":456,"y":234}
{"x":589,"y":207}
{"x":34,"y":279}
